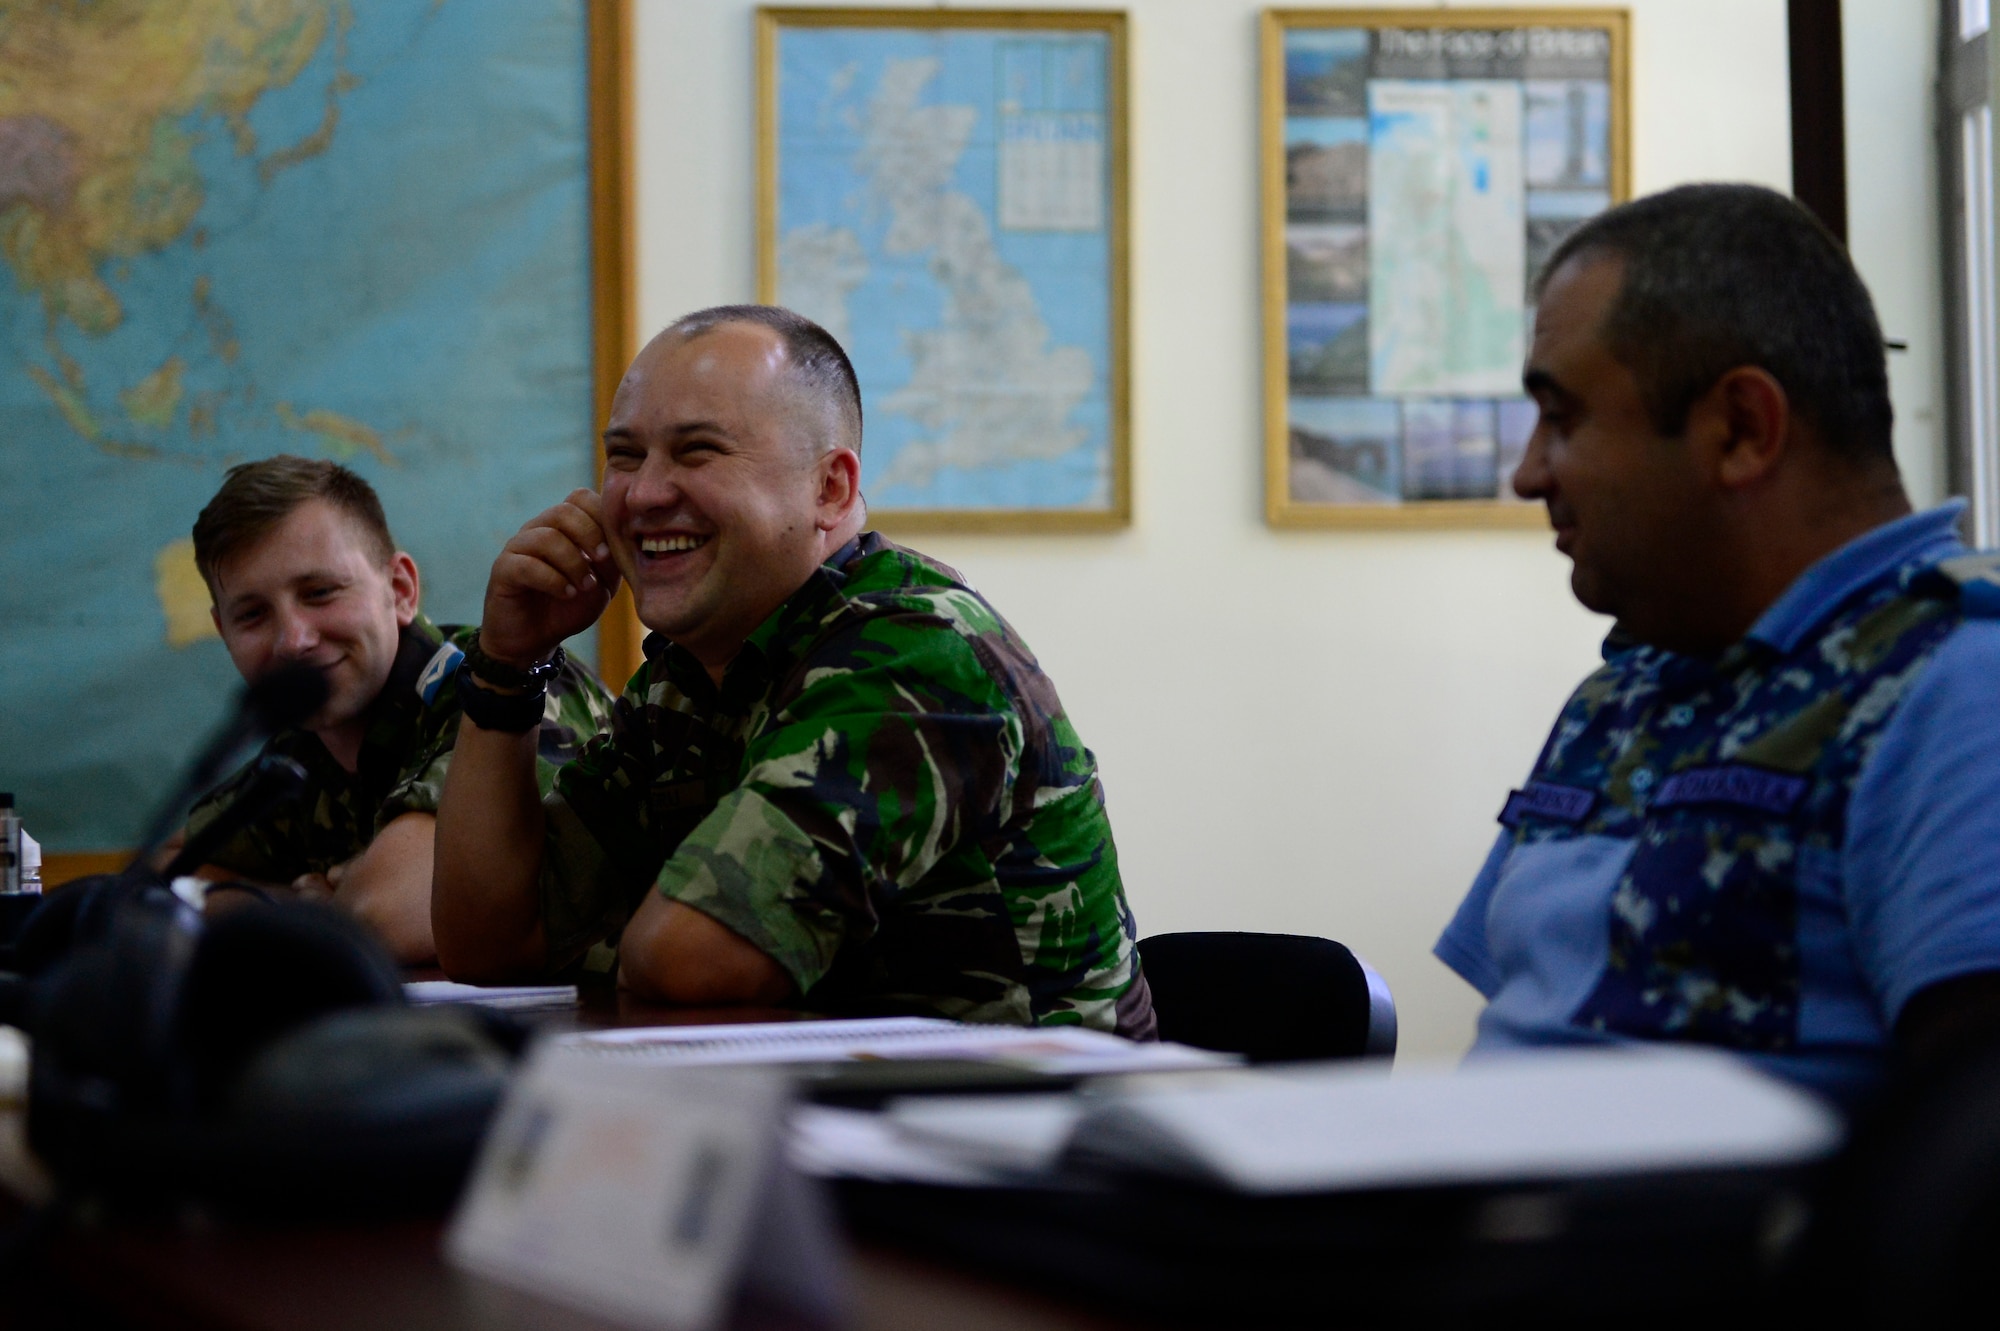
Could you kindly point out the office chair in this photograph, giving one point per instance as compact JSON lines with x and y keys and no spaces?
{"x":1912,"y":1217}
{"x":1271,"y":997}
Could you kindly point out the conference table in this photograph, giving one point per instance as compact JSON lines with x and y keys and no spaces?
{"x":194,"y":1271}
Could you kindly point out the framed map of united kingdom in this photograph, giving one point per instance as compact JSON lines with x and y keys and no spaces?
{"x":944,"y":190}
{"x":1419,"y":166}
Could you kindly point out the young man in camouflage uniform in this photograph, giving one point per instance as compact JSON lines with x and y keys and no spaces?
{"x":839,"y":777}
{"x":1771,"y":821}
{"x":302,"y":568}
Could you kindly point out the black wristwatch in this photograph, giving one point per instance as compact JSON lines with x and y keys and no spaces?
{"x":513,"y":713}
{"x":506,"y":676}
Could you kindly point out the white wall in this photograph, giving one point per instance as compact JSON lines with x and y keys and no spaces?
{"x":1299,"y":731}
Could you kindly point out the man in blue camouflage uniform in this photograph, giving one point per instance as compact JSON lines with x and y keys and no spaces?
{"x":301,"y":568}
{"x":1771,"y":821}
{"x":839,"y":778}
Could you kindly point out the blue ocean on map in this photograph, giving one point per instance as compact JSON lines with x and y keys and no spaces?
{"x":397,"y":276}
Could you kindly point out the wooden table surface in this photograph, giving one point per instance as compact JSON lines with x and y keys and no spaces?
{"x":197,"y":1273}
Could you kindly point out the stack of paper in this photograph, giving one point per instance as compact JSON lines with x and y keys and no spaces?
{"x":514,"y":997}
{"x":1056,"y":1050}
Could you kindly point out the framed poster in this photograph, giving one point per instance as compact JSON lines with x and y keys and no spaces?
{"x":389,"y":232}
{"x":1418,"y":168}
{"x":944,"y":191}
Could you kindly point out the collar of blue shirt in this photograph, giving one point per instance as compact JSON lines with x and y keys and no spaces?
{"x":1926,"y":537}
{"x":1922,"y":537}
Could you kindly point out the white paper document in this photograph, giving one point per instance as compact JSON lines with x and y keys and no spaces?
{"x":829,"y":1142}
{"x":515,"y":997}
{"x":1556,"y":1114}
{"x":1013,"y":1134}
{"x":1059,"y":1050}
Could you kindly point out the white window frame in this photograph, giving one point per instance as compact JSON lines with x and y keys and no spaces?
{"x":1972,"y":293}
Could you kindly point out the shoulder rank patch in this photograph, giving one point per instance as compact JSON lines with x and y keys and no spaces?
{"x":1977,"y":578}
{"x":438,"y":671}
{"x":1545,"y":799}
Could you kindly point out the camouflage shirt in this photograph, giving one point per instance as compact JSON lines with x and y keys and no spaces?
{"x":1769,"y":850}
{"x":404,"y":753}
{"x":884,"y":795}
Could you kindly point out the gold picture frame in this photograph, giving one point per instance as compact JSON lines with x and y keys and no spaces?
{"x":1355,"y":466}
{"x":1108,"y":471}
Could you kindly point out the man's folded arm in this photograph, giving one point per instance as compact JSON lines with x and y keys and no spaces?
{"x":784,"y":866}
{"x":486,"y":911}
{"x":388,"y":886}
{"x":673,"y":953}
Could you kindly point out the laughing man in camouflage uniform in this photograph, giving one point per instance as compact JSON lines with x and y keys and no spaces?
{"x":1770,"y":822}
{"x":839,"y":778}
{"x":301,"y":566}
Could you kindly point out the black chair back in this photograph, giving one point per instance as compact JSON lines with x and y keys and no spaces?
{"x":1271,"y":997}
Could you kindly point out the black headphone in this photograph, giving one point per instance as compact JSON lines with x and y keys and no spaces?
{"x":264,"y":1061}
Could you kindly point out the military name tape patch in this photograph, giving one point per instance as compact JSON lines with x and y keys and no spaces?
{"x":1737,"y":784}
{"x":1545,"y":799}
{"x":438,"y":671}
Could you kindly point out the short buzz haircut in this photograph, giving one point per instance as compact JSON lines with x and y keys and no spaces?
{"x":817,"y":360}
{"x":257,"y":496}
{"x":1721,"y":276}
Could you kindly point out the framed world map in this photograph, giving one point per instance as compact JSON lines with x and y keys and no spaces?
{"x":944,"y":191}
{"x":388,"y":232}
{"x":1419,"y":166}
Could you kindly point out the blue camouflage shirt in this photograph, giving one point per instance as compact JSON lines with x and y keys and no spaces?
{"x":1771,"y":851}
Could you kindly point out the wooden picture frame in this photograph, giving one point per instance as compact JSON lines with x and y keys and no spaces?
{"x":1042,"y":157}
{"x":613,"y":311}
{"x":1391,"y":398}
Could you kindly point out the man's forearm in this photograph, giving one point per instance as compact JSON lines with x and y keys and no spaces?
{"x":486,"y":911}
{"x":550,"y":582}
{"x":388,"y":887}
{"x":673,"y":953}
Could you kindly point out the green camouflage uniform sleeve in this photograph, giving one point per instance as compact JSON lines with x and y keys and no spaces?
{"x":578,"y":707}
{"x":898,"y":747}
{"x":270,"y":850}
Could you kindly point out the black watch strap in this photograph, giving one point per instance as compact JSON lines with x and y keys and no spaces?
{"x":506,"y":676}
{"x":513,"y":713}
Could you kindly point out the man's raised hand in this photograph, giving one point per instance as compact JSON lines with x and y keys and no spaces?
{"x":552,"y":580}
